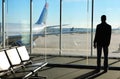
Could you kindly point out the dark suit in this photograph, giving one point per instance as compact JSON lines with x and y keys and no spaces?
{"x":102,"y":41}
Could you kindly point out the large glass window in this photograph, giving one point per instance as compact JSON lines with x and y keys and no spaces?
{"x":48,"y":13}
{"x":76,"y":36}
{"x":17,"y":22}
{"x":76,"y":28}
{"x":110,"y":8}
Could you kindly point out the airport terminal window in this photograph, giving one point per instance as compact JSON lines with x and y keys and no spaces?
{"x":79,"y":44}
{"x":75,"y":31}
{"x":17,"y":22}
{"x":109,"y":8}
{"x":48,"y":41}
{"x":76,"y":35}
{"x":76,"y":26}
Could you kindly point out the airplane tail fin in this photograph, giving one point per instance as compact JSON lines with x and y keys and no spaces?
{"x":43,"y":16}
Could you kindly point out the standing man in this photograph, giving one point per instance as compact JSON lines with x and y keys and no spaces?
{"x":102,"y":41}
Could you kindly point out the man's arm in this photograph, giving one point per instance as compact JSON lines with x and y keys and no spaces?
{"x":95,"y":39}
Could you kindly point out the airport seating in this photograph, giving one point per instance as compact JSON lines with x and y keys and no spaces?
{"x":6,"y":69}
{"x":17,"y":64}
{"x":25,"y":58}
{"x":24,"y":55}
{"x":4,"y":63}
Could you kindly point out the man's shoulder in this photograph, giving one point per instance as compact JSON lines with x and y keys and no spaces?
{"x":101,"y":24}
{"x":109,"y":25}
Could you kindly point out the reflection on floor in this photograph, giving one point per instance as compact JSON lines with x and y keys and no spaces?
{"x":77,"y":68}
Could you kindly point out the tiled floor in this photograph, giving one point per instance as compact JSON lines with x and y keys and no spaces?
{"x":78,"y":73}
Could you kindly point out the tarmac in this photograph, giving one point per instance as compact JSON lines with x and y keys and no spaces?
{"x":75,"y":44}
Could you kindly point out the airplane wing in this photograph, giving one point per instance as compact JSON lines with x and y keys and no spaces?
{"x":56,"y":25}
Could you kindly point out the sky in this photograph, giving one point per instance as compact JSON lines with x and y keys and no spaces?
{"x":74,"y":12}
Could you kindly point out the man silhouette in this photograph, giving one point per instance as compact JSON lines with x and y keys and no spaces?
{"x":102,"y":41}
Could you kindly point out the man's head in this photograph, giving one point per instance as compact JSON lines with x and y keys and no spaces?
{"x":103,"y":18}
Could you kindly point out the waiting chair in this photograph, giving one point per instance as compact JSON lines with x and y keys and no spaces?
{"x":4,"y":63}
{"x":18,"y":59}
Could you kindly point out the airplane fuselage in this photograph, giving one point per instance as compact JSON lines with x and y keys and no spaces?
{"x":12,"y":29}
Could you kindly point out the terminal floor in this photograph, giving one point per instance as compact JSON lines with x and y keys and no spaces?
{"x":77,"y":73}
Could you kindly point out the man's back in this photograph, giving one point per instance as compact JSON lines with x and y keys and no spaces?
{"x":103,"y":34}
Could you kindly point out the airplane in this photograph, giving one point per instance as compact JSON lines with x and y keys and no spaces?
{"x":18,"y":34}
